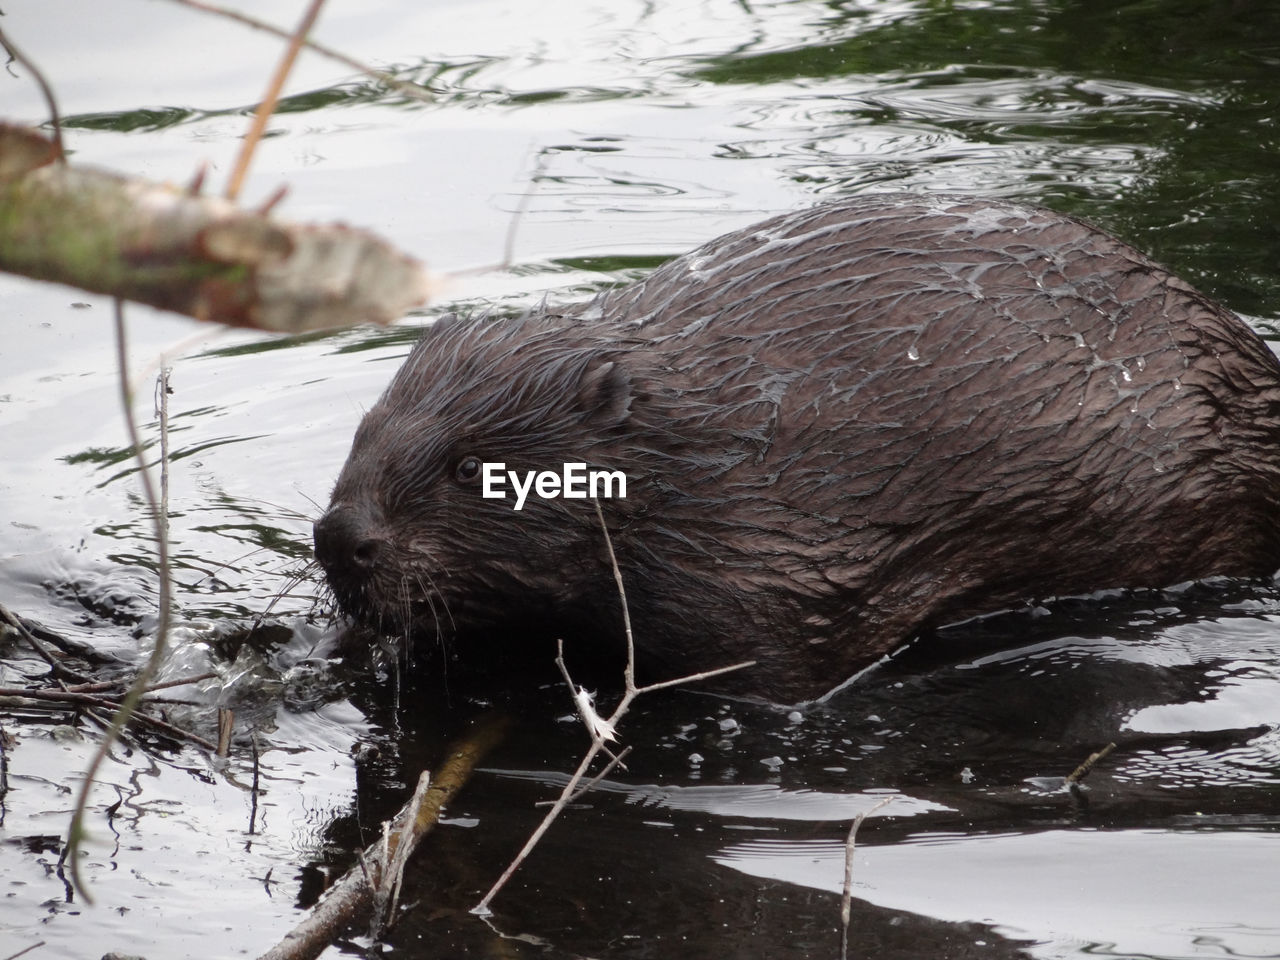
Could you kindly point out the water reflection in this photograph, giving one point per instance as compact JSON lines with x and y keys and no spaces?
{"x":1061,"y":893}
{"x":661,"y":125}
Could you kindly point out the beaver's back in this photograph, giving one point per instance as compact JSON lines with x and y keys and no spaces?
{"x":932,"y":408}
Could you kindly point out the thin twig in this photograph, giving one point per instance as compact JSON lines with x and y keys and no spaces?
{"x":55,"y":120}
{"x":400,"y":86}
{"x":268,"y":105}
{"x":846,"y":891}
{"x":110,"y":704}
{"x":388,"y":895}
{"x":15,"y":956}
{"x":694,"y":677}
{"x":162,"y":412}
{"x":75,"y":832}
{"x":535,"y":178}
{"x":629,"y":674}
{"x":257,"y":781}
{"x":4,"y":770}
{"x":226,"y":726}
{"x":599,"y":728}
{"x":177,"y":733}
{"x":100,"y":685}
{"x":73,"y":697}
{"x":482,"y":908}
{"x":36,"y":644}
{"x":604,"y":772}
{"x":165,"y":685}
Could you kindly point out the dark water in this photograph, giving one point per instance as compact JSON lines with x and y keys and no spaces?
{"x":648,"y":127}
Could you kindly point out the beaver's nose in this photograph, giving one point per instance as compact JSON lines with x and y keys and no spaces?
{"x":346,"y":542}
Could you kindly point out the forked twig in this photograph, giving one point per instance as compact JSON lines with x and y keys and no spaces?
{"x":593,"y":724}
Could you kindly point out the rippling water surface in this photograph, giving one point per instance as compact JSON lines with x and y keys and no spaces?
{"x":628,"y":132}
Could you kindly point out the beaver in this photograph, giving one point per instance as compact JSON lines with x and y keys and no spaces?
{"x":840,"y":428}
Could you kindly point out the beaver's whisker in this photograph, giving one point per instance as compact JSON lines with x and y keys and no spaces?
{"x":433,"y":594}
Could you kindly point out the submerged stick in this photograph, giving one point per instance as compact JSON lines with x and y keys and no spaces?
{"x":846,"y":889}
{"x":353,"y":895}
{"x":1082,"y":771}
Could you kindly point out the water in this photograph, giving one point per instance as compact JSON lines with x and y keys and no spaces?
{"x":648,"y":128}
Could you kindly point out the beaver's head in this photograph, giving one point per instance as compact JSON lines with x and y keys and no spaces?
{"x":410,"y":543}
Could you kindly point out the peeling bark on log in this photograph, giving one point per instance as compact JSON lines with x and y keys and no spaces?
{"x":201,"y":256}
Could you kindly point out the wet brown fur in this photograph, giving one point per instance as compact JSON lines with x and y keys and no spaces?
{"x":840,"y":427}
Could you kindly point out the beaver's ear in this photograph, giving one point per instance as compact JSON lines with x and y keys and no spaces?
{"x":604,"y":394}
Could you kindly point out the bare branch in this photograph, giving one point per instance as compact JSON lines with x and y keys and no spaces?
{"x":104,"y":685}
{"x":571,"y":791}
{"x":482,"y":908}
{"x":695,"y":677}
{"x":200,"y":256}
{"x":629,"y":674}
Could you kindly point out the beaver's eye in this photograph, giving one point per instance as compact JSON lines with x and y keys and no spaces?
{"x":468,"y":470}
